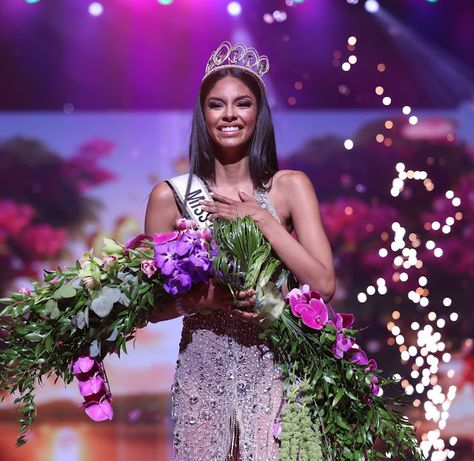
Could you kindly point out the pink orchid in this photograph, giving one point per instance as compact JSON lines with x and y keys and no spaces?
{"x":315,"y":315}
{"x":100,"y":411}
{"x":136,"y":241}
{"x":184,"y":224}
{"x":108,"y":261}
{"x":83,"y":365}
{"x":206,"y":234}
{"x":359,"y":357}
{"x":164,"y":238}
{"x":342,"y":321}
{"x":148,"y":267}
{"x":341,"y":345}
{"x":24,"y":291}
{"x":55,"y":280}
{"x":91,"y":386}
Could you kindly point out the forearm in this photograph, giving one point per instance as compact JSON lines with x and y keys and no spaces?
{"x":305,"y":267}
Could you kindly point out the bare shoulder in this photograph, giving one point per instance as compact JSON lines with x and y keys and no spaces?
{"x":162,"y":211}
{"x":289,"y":182}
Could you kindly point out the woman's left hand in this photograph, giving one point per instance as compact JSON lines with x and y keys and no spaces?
{"x":227,"y":208}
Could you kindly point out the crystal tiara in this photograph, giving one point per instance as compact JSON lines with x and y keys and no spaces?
{"x":238,"y":56}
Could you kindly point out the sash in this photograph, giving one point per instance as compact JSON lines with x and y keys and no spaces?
{"x":190,"y":195}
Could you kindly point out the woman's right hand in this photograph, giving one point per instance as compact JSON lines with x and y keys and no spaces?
{"x":217,"y":297}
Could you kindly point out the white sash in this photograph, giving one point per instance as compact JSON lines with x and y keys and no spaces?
{"x":197,"y":192}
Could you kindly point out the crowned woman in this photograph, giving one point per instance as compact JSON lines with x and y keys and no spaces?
{"x":228,"y":390}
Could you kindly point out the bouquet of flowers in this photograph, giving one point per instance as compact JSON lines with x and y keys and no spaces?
{"x":335,"y":408}
{"x":69,"y":323}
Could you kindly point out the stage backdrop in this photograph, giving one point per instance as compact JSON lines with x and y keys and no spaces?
{"x":67,"y":180}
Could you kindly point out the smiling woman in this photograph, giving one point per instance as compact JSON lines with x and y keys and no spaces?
{"x":228,"y":389}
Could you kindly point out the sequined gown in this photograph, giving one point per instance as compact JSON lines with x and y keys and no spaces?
{"x":228,"y":389}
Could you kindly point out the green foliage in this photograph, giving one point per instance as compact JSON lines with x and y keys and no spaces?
{"x":49,"y":329}
{"x":331,"y":410}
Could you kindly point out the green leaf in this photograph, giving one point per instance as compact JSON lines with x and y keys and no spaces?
{"x":338,"y":397}
{"x":64,"y":292}
{"x":349,"y":373}
{"x":35,"y":337}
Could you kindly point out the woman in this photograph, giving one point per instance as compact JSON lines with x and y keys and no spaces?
{"x":228,"y":389}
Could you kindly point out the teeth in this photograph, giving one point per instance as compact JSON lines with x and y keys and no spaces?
{"x":230,"y":128}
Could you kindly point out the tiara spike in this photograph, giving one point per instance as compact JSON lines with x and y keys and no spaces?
{"x":238,"y":56}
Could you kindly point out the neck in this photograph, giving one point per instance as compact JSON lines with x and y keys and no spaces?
{"x":233,"y":174}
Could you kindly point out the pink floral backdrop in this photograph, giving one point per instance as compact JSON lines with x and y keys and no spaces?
{"x":69,"y":180}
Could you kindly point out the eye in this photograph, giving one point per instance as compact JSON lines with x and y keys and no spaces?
{"x":214,"y":105}
{"x":245,"y":104}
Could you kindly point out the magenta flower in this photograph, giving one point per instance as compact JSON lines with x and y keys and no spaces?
{"x":55,"y":280}
{"x":359,"y":357}
{"x":165,"y":238}
{"x":83,"y":365}
{"x":92,"y":386}
{"x":136,"y":241}
{"x":206,"y":234}
{"x":184,"y":224}
{"x":315,"y":315}
{"x":342,"y":321}
{"x":148,"y":267}
{"x":341,"y":345}
{"x":100,"y":411}
{"x":372,"y":365}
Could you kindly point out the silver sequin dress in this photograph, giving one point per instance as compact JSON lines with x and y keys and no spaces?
{"x":228,"y":389}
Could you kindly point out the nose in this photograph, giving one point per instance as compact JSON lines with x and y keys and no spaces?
{"x":229,"y":113}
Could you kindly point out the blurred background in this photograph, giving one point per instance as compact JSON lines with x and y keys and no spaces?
{"x":374,"y":100}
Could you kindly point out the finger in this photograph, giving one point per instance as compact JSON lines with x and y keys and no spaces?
{"x":245,"y":197}
{"x":247,"y":316}
{"x":242,"y":294}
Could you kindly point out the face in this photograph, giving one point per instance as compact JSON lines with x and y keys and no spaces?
{"x":230,"y":110}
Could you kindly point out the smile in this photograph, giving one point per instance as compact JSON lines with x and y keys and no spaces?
{"x":229,"y":129}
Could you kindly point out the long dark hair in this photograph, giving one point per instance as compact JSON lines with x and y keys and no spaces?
{"x":263,"y":161}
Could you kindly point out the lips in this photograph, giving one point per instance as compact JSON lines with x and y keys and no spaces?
{"x":229,"y":128}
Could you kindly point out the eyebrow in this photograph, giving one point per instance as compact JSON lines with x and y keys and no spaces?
{"x":239,"y":98}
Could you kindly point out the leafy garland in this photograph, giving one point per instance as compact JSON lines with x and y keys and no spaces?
{"x":80,"y":314}
{"x":334,"y":392}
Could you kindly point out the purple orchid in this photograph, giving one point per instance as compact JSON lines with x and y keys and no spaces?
{"x":341,"y":345}
{"x":374,"y":384}
{"x":359,"y":357}
{"x":372,"y":365}
{"x":165,"y":257}
{"x":178,"y":284}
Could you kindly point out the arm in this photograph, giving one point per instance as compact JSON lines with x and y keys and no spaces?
{"x":310,"y":257}
{"x":161,"y":215}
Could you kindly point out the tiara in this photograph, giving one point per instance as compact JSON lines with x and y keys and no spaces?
{"x":238,"y":56}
